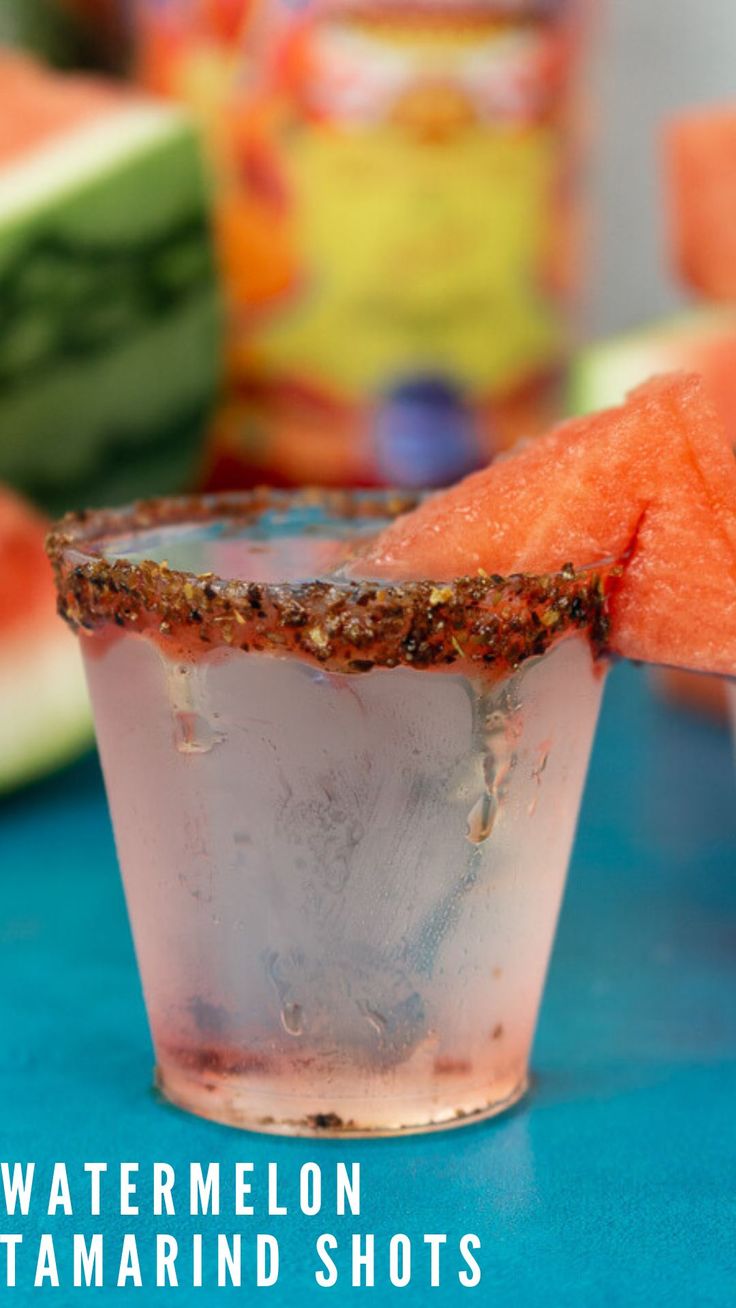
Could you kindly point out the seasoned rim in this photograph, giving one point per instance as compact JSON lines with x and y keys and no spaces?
{"x":349,"y":626}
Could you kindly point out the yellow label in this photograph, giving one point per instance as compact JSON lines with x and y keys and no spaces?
{"x":416,"y":256}
{"x":418,"y":164}
{"x":394,"y":223}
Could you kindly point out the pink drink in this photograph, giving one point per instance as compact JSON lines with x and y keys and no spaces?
{"x":343,"y":884}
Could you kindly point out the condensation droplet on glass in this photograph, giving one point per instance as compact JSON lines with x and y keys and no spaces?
{"x":470,"y":879}
{"x":356,"y":832}
{"x":291,"y":1019}
{"x":193,"y":729}
{"x":193,"y":734}
{"x":376,"y":1021}
{"x":481,"y":818}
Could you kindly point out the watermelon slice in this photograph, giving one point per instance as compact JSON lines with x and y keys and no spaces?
{"x":652,"y":484}
{"x":44,"y":712}
{"x":603,"y":374}
{"x":702,"y":341}
{"x":109,"y":335}
{"x":700,"y":151}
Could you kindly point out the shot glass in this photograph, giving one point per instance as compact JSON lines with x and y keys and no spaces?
{"x":343,"y":808}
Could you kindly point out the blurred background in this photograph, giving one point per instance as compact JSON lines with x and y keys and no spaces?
{"x":649,"y":60}
{"x":263,"y":242}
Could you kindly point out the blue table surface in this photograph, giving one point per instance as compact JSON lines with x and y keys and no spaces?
{"x":613,"y":1184}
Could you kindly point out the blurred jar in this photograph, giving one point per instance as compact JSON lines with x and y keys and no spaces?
{"x":397,"y":198}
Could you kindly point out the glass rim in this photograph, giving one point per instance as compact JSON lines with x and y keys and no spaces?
{"x":349,"y":625}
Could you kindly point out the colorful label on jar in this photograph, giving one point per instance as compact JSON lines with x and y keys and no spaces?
{"x":395,"y":222}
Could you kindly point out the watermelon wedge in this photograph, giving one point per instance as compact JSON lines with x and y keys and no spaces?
{"x":109,"y":335}
{"x":702,"y":341}
{"x":44,"y":712}
{"x":651,"y":484}
{"x":700,"y":155}
{"x":603,"y":374}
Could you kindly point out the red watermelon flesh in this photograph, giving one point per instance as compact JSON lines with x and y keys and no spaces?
{"x":715,"y":362}
{"x":702,"y":341}
{"x":652,"y":484}
{"x":40,"y":105}
{"x":44,"y":712}
{"x":27,"y":590}
{"x":700,"y":151}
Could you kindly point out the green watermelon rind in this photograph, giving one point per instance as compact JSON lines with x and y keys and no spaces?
{"x":603,"y":374}
{"x":126,"y":207}
{"x":153,"y":436}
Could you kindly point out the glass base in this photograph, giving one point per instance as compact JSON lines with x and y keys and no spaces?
{"x":251,"y":1108}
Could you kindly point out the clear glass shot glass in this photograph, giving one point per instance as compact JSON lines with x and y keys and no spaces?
{"x":343,"y":809}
